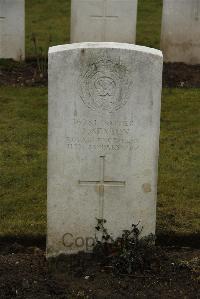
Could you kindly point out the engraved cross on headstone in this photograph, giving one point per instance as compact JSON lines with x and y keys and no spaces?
{"x":101,"y":184}
{"x":104,"y":18}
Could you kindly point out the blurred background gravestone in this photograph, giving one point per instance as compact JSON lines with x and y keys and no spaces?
{"x":180,"y":38}
{"x":103,"y":21}
{"x":12,"y":44}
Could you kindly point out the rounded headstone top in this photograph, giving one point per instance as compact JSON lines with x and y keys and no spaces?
{"x":105,"y":45}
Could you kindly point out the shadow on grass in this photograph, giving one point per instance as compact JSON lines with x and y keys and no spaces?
{"x":180,"y":240}
{"x":163,"y":239}
{"x":24,"y":240}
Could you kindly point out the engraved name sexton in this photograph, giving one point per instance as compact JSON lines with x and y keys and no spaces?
{"x":98,"y":136}
{"x":105,"y":85}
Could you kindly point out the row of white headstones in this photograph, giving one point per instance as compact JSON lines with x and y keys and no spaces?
{"x":112,"y":21}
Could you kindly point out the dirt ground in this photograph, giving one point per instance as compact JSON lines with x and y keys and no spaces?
{"x":181,"y":75}
{"x":29,"y":74}
{"x":173,"y":273}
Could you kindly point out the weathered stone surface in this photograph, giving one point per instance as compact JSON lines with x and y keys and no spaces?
{"x":104,"y":120}
{"x":180,"y":38}
{"x":103,"y":21}
{"x":12,"y":39}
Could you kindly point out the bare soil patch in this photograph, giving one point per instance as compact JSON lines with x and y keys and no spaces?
{"x":173,"y":273}
{"x":27,"y":74}
{"x":21,"y":74}
{"x":181,"y":75}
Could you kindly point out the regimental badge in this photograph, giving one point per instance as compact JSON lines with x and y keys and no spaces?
{"x":105,"y":85}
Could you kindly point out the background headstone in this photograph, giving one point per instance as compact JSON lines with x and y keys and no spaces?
{"x":12,"y":43}
{"x":180,"y":38}
{"x":104,"y":121}
{"x":103,"y":21}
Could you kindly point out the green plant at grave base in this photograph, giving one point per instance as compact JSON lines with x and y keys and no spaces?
{"x":100,"y":228}
{"x":41,"y":58}
{"x":127,"y":253}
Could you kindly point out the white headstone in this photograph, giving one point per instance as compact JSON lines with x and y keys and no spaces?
{"x":12,"y":43}
{"x":103,"y":21}
{"x":180,"y":38}
{"x":104,"y":120}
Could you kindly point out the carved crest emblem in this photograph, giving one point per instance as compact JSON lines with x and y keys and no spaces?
{"x":105,"y":86}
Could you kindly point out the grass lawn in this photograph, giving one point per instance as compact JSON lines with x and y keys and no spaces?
{"x":23,"y":135}
{"x":149,"y":23}
{"x":49,"y":22}
{"x":23,"y":139}
{"x":179,"y":176}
